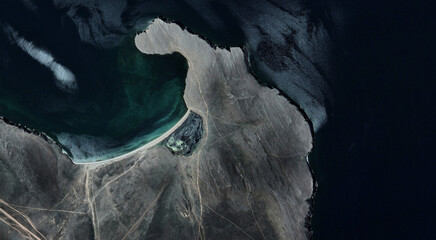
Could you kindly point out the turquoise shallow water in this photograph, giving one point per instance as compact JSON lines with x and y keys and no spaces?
{"x":124,"y":98}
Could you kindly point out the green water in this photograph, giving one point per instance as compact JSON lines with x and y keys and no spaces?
{"x":124,"y":100}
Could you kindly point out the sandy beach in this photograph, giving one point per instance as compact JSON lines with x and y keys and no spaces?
{"x":141,"y":149}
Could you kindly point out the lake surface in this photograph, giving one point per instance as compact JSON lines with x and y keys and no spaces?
{"x":121,"y":98}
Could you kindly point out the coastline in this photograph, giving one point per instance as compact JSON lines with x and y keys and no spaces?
{"x":141,"y":149}
{"x":311,"y":200}
{"x":144,"y":147}
{"x":149,"y":44}
{"x":255,"y":146}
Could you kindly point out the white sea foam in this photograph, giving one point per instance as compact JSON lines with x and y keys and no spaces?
{"x":65,"y":79}
{"x":83,"y":147}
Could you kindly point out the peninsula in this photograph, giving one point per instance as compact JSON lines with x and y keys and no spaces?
{"x":245,"y":177}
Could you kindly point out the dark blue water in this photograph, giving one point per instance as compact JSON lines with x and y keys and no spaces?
{"x":123,"y":99}
{"x":373,"y":159}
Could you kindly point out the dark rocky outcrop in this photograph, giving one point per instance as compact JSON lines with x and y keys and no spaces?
{"x":184,"y":139}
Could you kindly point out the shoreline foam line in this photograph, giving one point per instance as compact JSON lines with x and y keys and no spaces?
{"x":143,"y":148}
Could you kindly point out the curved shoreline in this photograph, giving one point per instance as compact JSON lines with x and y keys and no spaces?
{"x":255,"y":145}
{"x":144,"y":147}
{"x":62,"y":150}
{"x":172,"y":129}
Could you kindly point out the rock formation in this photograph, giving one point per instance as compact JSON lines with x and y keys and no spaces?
{"x":185,"y":138}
